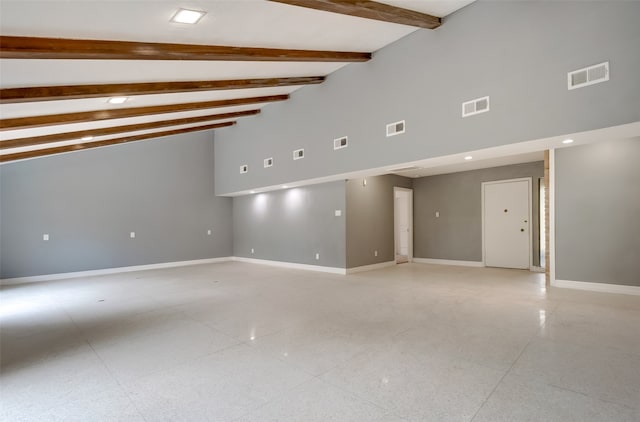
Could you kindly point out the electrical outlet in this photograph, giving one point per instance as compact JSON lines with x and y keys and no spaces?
{"x":252,"y":250}
{"x":45,"y":237}
{"x":375,"y":253}
{"x":132,"y":235}
{"x":437,"y":214}
{"x":317,"y":256}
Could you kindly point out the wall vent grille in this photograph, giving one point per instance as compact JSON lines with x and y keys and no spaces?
{"x":340,"y":143}
{"x":404,"y":169}
{"x":298,"y":154}
{"x":396,"y":128}
{"x":244,"y":169}
{"x":588,"y":76}
{"x":477,"y":106}
{"x":268,"y":162}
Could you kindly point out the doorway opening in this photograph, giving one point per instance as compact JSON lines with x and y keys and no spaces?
{"x":403,"y":224}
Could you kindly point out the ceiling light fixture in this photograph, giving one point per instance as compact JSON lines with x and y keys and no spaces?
{"x":567,"y":141}
{"x":187,"y":16}
{"x":117,"y":100}
{"x":284,"y":186}
{"x":468,"y":157}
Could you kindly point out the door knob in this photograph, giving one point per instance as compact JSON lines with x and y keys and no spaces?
{"x":521,"y":230}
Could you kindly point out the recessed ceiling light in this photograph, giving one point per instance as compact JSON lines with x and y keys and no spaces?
{"x":468,"y":157}
{"x":567,"y":141}
{"x":252,"y":191}
{"x":87,"y":138}
{"x":284,"y":186}
{"x":187,"y":16}
{"x":117,"y":100}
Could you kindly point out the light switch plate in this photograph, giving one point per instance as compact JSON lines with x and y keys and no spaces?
{"x":209,"y":232}
{"x":437,"y":214}
{"x":132,"y":235}
{"x":338,"y":213}
{"x":45,"y":237}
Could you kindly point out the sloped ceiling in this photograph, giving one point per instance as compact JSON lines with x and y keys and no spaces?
{"x":237,"y":23}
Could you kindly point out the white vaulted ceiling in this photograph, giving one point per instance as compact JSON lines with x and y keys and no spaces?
{"x":240,"y":23}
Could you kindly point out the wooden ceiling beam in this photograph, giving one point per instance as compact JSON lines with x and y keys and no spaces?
{"x":93,"y":133}
{"x":58,"y":48}
{"x":370,"y":10}
{"x":87,"y":145}
{"x":121,"y":113}
{"x":71,"y":92}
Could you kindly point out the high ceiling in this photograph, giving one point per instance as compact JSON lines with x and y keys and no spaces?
{"x":54,"y":101}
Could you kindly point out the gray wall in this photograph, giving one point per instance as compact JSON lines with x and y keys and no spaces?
{"x":370,"y":219}
{"x":457,"y":233}
{"x":292,"y":225}
{"x":89,"y":201}
{"x":517,"y":52}
{"x":597,"y":202}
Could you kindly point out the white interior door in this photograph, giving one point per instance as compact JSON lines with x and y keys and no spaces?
{"x":403,"y":222}
{"x":507,"y":223}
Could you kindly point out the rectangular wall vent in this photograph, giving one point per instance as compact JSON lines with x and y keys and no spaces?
{"x":268,"y":162}
{"x":341,"y":142}
{"x":588,"y":76}
{"x":403,"y":169}
{"x":477,"y":106}
{"x":244,"y":168}
{"x":298,"y":154}
{"x":396,"y":128}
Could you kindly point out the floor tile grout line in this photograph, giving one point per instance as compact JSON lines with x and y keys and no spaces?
{"x":106,"y":367}
{"x":357,"y":395}
{"x":559,"y":387}
{"x":533,"y":337}
{"x":267,"y":402}
{"x":508,"y":371}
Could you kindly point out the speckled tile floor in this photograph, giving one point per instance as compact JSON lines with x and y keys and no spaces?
{"x":235,"y":341}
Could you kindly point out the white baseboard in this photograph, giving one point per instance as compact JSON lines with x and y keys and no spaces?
{"x":448,"y":262}
{"x":537,"y":269}
{"x":105,"y":271}
{"x":370,"y":267}
{"x":597,"y":287}
{"x":292,"y":265}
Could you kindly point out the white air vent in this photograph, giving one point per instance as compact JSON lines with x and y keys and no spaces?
{"x":403,"y":169}
{"x":588,"y":76}
{"x":477,"y":106}
{"x":268,"y":162}
{"x":396,"y":128}
{"x":341,"y":142}
{"x":244,"y":168}
{"x":298,"y":154}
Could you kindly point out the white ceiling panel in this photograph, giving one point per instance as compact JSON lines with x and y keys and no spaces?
{"x":9,"y":111}
{"x":21,"y":73}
